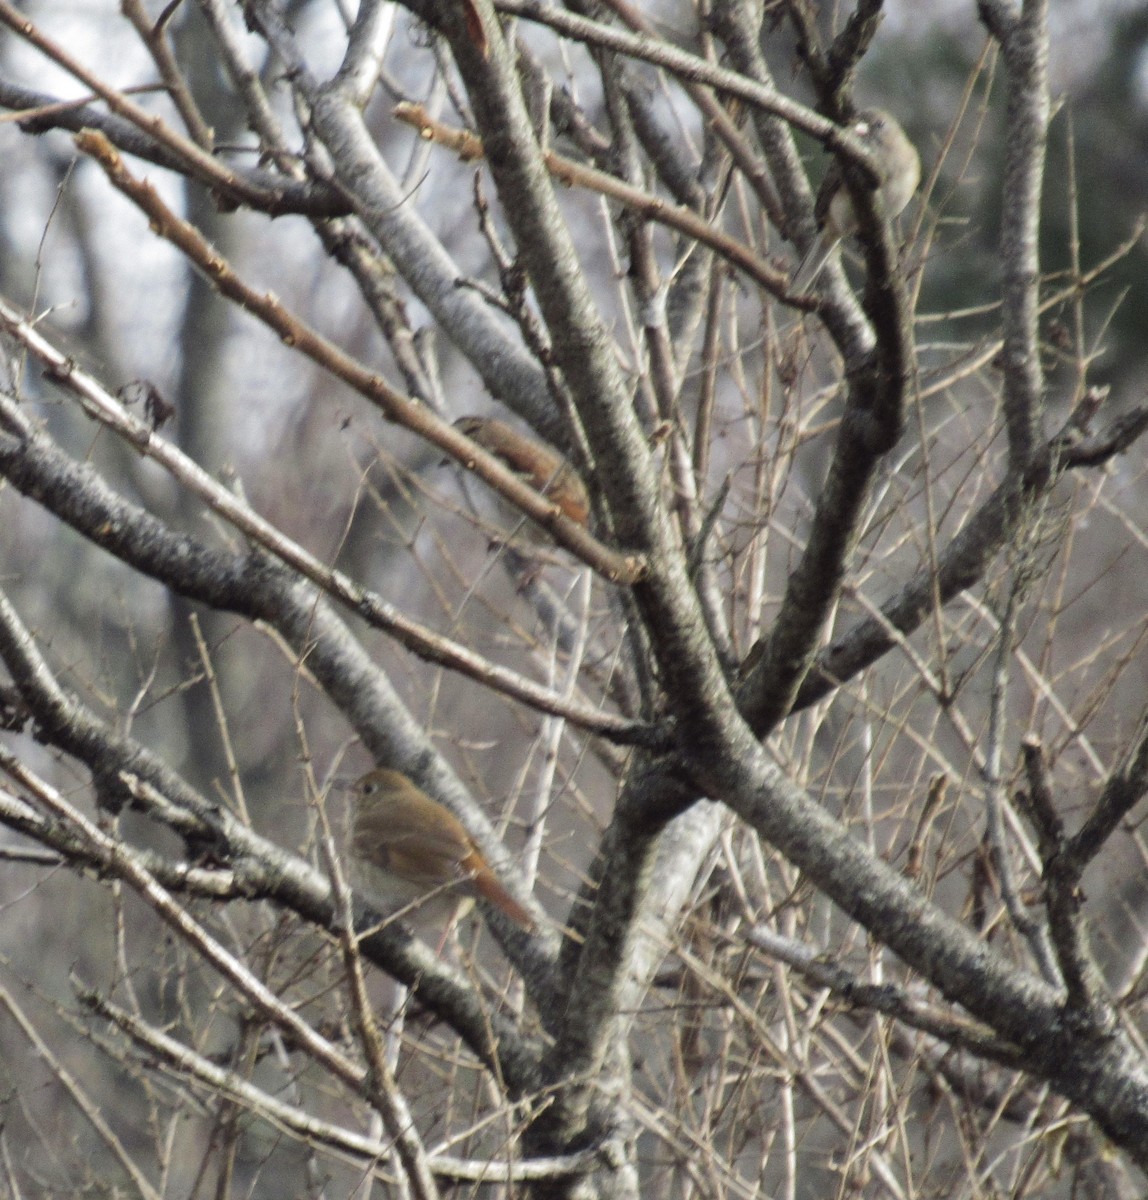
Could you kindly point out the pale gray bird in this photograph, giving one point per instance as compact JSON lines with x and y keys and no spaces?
{"x":900,"y":170}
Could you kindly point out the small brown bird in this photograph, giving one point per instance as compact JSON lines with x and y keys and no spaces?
{"x":539,"y":464}
{"x":407,"y":849}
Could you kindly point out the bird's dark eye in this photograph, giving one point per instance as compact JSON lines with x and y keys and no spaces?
{"x":368,"y":789}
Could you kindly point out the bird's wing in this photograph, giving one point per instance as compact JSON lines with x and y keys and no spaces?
{"x":830,"y":183}
{"x":410,"y":837}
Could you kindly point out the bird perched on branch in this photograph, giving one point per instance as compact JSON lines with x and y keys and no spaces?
{"x":899,"y":168}
{"x":539,"y":464}
{"x":408,"y":851}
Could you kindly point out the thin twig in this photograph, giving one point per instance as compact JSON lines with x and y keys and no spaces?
{"x":617,"y":568}
{"x":106,"y":408}
{"x":85,"y":1103}
{"x":654,"y":208}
